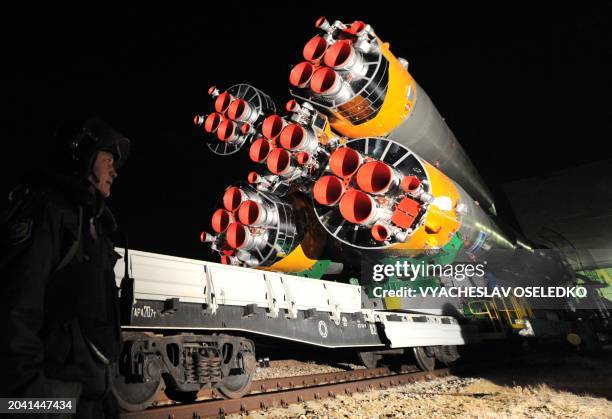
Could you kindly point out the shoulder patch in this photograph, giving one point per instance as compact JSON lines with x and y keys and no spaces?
{"x":19,"y":231}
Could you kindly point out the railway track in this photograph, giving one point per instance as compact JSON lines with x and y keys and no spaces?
{"x":280,"y":392}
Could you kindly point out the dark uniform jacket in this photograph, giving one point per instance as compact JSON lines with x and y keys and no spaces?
{"x":59,"y":303}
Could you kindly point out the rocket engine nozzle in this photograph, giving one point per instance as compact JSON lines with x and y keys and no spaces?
{"x":295,"y":137}
{"x":226,"y":131}
{"x":207,"y":237}
{"x":375,"y":177}
{"x":272,"y":126}
{"x":212,"y":121}
{"x":252,"y":213}
{"x":237,"y":235}
{"x":302,"y":157}
{"x":341,"y":55}
{"x":260,"y":149}
{"x":301,"y":74}
{"x":357,"y":27}
{"x":232,"y":198}
{"x":247,"y":129}
{"x":381,"y":232}
{"x":292,"y":106}
{"x":325,"y":81}
{"x":322,"y":23}
{"x":220,"y":220}
{"x":240,"y":237}
{"x":315,"y":48}
{"x":328,"y":190}
{"x":412,"y":185}
{"x":345,"y":162}
{"x":239,"y":110}
{"x":222,"y":102}
{"x":253,"y":178}
{"x":357,"y":207}
{"x":279,"y":162}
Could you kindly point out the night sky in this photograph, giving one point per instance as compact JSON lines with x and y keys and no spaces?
{"x":527,"y":92}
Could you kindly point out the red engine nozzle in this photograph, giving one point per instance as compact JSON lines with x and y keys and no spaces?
{"x":380,"y":232}
{"x":236,"y":235}
{"x":375,"y":177}
{"x":253,"y":178}
{"x":198,"y":120}
{"x":301,"y":74}
{"x":212,"y":122}
{"x":260,"y":149}
{"x":302,"y":157}
{"x":315,"y":48}
{"x":279,"y":161}
{"x":239,"y":110}
{"x":356,"y":27}
{"x":322,"y":23}
{"x":232,"y":198}
{"x":325,"y":81}
{"x":222,"y":102}
{"x":250,"y":212}
{"x":206,"y":237}
{"x":272,"y":126}
{"x":410,"y":184}
{"x":357,"y":207}
{"x":344,"y":162}
{"x":292,"y":106}
{"x":292,"y":136}
{"x":220,"y":220}
{"x":328,"y":190}
{"x":339,"y":55}
{"x":226,"y":131}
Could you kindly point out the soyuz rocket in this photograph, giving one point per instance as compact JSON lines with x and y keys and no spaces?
{"x":359,"y":159}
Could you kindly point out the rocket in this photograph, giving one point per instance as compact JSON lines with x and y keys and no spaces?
{"x":359,"y":157}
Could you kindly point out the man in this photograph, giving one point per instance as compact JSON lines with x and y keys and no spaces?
{"x":60,"y":330}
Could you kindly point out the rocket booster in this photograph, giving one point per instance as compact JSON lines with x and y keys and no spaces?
{"x":351,"y":76}
{"x":259,"y":229}
{"x":236,"y":111}
{"x":377,"y":194}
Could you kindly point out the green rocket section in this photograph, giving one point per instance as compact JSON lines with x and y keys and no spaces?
{"x":445,"y":256}
{"x":317,"y":270}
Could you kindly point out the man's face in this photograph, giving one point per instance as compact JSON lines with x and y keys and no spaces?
{"x":104,"y":171}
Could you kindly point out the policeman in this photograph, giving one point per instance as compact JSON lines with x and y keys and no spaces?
{"x":59,"y":302}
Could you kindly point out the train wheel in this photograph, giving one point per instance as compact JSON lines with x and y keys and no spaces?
{"x":235,"y":386}
{"x":238,"y":382}
{"x":133,"y":397}
{"x":425,"y":360}
{"x":369,"y":359}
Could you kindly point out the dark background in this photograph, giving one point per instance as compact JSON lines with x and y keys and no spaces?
{"x":527,"y":92}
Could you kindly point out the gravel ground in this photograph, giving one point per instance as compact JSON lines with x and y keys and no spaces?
{"x":293,"y":368}
{"x":576,"y":387}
